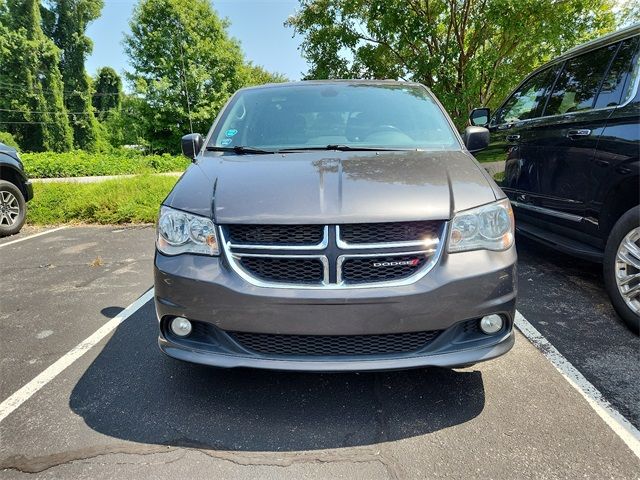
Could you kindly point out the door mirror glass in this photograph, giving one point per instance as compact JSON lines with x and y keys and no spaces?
{"x":191,"y":145}
{"x":476,"y":138}
{"x":479,"y":117}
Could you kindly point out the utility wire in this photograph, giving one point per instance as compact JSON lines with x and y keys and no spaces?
{"x":184,"y":83}
{"x":22,"y":88}
{"x":25,"y":123}
{"x":44,"y":113}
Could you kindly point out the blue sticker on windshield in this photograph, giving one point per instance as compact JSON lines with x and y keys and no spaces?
{"x":225,"y":142}
{"x":231,"y":132}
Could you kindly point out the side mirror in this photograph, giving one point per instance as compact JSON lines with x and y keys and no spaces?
{"x":191,"y":145}
{"x":479,"y":117}
{"x":476,"y":138}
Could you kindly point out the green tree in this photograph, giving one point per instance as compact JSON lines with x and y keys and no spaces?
{"x":628,"y":12}
{"x":128,"y":125}
{"x":31,"y":90}
{"x":256,"y":75}
{"x":184,"y":65}
{"x":469,"y":52}
{"x":70,"y":21}
{"x":107,"y":95}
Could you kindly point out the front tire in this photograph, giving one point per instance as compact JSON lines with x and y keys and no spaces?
{"x":622,"y":268}
{"x":13,"y":209}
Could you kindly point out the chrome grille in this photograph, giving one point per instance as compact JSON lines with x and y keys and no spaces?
{"x":329,"y":261}
{"x":337,"y":345}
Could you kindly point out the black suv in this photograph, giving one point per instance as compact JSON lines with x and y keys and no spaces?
{"x":15,"y":191}
{"x":570,"y":136}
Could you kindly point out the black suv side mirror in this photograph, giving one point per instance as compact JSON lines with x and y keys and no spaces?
{"x":479,"y":117}
{"x":191,"y":145}
{"x":476,"y":138}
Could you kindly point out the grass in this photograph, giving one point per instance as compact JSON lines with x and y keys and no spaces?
{"x":79,"y":163}
{"x":130,"y":200}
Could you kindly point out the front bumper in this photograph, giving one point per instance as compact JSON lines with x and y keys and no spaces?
{"x":28,"y":190}
{"x":462,"y":288}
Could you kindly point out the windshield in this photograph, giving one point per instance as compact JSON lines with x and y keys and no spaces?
{"x":317,"y":115}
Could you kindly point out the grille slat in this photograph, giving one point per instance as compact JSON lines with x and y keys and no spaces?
{"x":334,"y":345}
{"x":285,"y":270}
{"x":276,"y":234}
{"x":380,"y":269}
{"x":363,"y":233}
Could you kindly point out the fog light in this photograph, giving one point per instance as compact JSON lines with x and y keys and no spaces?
{"x":491,"y":324}
{"x":181,"y":326}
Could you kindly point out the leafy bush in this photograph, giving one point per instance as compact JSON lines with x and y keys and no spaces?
{"x":8,"y":139}
{"x":129,"y":200}
{"x":80,"y":163}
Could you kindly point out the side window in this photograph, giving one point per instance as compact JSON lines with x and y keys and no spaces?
{"x":621,"y":76}
{"x":579,"y":82}
{"x":528,"y":100}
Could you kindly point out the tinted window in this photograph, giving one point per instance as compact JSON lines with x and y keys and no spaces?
{"x":619,"y":80}
{"x":317,"y":115}
{"x":528,"y":100}
{"x":579,"y":82}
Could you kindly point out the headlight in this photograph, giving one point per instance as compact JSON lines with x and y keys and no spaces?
{"x":489,"y":227}
{"x":181,"y":232}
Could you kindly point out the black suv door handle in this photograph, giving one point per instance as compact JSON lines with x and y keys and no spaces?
{"x":582,"y":132}
{"x":513,"y":138}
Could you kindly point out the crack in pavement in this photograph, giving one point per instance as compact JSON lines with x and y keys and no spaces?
{"x":105,"y":265}
{"x":38,"y":464}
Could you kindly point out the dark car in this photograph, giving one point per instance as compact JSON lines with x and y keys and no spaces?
{"x":15,"y":191}
{"x":570,"y":135}
{"x":336,"y":225}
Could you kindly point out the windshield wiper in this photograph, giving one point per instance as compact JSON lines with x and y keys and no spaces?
{"x":344,"y":148}
{"x":240,"y":150}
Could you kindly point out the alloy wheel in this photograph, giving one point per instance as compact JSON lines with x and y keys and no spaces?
{"x":9,"y":209}
{"x":628,"y":269}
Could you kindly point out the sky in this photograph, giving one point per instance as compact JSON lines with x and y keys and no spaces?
{"x":257,"y":24}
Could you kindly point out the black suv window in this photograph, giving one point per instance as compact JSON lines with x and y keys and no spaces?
{"x":528,"y":100}
{"x":579,"y":82}
{"x":619,"y":80}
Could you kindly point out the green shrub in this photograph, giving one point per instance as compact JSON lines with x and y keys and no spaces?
{"x":129,"y":200}
{"x":7,"y":139}
{"x":80,"y":163}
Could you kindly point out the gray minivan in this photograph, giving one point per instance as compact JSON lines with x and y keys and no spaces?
{"x":335,"y":225}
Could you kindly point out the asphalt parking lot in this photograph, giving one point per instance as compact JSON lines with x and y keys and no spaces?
{"x":123,"y":409}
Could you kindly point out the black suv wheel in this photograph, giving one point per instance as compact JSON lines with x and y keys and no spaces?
{"x":12,"y":209}
{"x":622,"y":268}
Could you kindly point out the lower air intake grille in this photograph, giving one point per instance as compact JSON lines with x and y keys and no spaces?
{"x":333,"y":345}
{"x":284,"y":270}
{"x":380,"y":269}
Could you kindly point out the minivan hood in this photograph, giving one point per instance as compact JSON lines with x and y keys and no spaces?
{"x":332,"y":187}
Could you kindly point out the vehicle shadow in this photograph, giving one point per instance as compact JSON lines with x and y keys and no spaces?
{"x":133,"y":392}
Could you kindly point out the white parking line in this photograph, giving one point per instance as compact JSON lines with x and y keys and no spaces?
{"x":618,"y":423}
{"x":31,"y":388}
{"x":32,"y":236}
